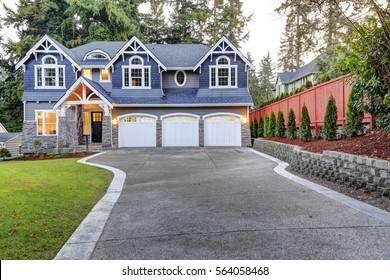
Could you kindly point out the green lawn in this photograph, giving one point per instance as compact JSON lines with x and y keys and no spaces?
{"x":42,"y":202}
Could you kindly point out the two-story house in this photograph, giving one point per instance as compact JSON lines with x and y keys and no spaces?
{"x":130,"y":94}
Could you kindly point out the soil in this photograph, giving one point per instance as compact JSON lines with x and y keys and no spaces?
{"x":375,"y":144}
{"x":54,"y":156}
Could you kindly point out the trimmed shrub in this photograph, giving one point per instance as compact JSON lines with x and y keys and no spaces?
{"x":279,"y":129}
{"x":353,"y":124}
{"x":266,"y":126}
{"x":329,"y":129}
{"x":308,"y":84}
{"x":4,"y":153}
{"x":255,"y":127}
{"x":291,"y":125}
{"x":260,"y":131}
{"x":304,"y":129}
{"x":272,"y":124}
{"x":252,"y":130}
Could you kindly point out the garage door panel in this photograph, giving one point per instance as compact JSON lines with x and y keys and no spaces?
{"x":180,"y":131}
{"x":137,"y":132}
{"x":224,"y":130}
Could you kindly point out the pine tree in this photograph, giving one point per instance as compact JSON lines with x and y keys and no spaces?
{"x":304,"y":129}
{"x":279,"y":129}
{"x":254,"y":85}
{"x":266,"y":126}
{"x":353,"y":124}
{"x":154,"y":27}
{"x":329,"y":129}
{"x":266,"y":76}
{"x":260,"y":131}
{"x":255,"y":127}
{"x":272,"y":124}
{"x":291,"y":125}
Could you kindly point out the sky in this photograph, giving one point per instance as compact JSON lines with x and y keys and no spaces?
{"x":265,"y":28}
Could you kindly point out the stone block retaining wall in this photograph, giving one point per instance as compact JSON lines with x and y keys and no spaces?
{"x":350,"y":170}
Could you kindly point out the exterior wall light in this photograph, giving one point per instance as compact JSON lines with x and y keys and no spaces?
{"x":114,"y":121}
{"x":244,"y":120}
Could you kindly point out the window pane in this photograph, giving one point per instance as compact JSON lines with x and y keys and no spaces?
{"x":87,"y":73}
{"x":50,"y":60}
{"x":171,"y":120}
{"x":214,"y":119}
{"x":127,"y":79}
{"x":50,"y":118}
{"x":96,"y":56}
{"x":50,"y":77}
{"x":223,"y":77}
{"x":61,"y":77}
{"x":213,"y":77}
{"x":130,"y":119}
{"x":223,"y":61}
{"x":229,"y":119}
{"x":50,"y":129}
{"x":136,"y":77}
{"x":39,"y":115}
{"x":39,"y":77}
{"x":233,"y":77}
{"x":146,"y":78}
{"x":136,"y":61}
{"x":180,"y":76}
{"x":104,"y":75}
{"x":145,"y":119}
{"x":86,"y":122}
{"x":185,"y":119}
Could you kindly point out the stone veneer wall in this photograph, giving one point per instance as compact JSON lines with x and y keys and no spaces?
{"x":201,"y":133}
{"x":245,"y":135}
{"x":106,"y":132}
{"x":158,"y":133}
{"x":49,"y":143}
{"x":115,"y":140}
{"x":351,"y":170}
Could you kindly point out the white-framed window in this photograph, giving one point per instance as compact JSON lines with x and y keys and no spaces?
{"x":105,"y":75}
{"x":136,"y":75}
{"x":180,"y":78}
{"x":97,"y":55}
{"x":49,"y":74}
{"x":87,"y":73}
{"x":223,"y":74}
{"x":46,"y":123}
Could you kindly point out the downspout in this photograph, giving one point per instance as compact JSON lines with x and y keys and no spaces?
{"x":161,"y":84}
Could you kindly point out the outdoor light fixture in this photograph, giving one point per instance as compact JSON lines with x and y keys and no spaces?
{"x":244,"y":120}
{"x":114,"y":121}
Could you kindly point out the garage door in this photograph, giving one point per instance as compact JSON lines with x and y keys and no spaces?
{"x":180,"y":131}
{"x":223,"y":130}
{"x":137,"y":131}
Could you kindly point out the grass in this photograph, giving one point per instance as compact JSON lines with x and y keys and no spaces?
{"x":43,"y":202}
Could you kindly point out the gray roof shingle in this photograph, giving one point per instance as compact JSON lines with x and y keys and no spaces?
{"x":111,"y":48}
{"x":4,"y":137}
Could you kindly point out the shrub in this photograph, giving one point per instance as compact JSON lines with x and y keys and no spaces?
{"x":329,"y":129}
{"x":354,"y":116}
{"x":308,"y":84}
{"x":304,"y":129}
{"x":255,"y":127}
{"x":4,"y":153}
{"x":272,"y":124}
{"x":279,"y":129}
{"x":291,"y":125}
{"x":260,"y":131}
{"x":252,"y":130}
{"x":266,"y":126}
{"x":37,"y":144}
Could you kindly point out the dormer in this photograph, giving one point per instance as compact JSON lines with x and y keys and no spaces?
{"x":97,"y":55}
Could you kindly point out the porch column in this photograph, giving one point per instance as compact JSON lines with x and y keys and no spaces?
{"x":106,"y":132}
{"x":245,"y":135}
{"x":67,"y":128}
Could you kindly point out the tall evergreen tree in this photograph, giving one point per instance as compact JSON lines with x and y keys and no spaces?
{"x":279,"y":129}
{"x":354,"y":116}
{"x":291,"y":125}
{"x":329,"y":129}
{"x":154,"y":27}
{"x":272,"y":124}
{"x":254,"y":85}
{"x":304,"y":128}
{"x":266,"y":76}
{"x":260,"y":131}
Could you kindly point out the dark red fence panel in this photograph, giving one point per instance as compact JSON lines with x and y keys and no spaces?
{"x":315,"y":99}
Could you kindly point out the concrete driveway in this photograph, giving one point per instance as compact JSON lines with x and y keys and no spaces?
{"x":227,"y":203}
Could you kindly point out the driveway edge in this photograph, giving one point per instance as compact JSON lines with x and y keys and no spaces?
{"x":83,"y":241}
{"x":346,"y":200}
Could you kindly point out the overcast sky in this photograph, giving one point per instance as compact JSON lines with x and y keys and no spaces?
{"x":265,"y":28}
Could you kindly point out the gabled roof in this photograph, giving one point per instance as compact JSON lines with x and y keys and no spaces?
{"x":179,"y":55}
{"x":110,"y":48}
{"x":310,"y":68}
{"x":5,"y":137}
{"x":134,"y":40}
{"x":61,"y":49}
{"x":230,"y":46}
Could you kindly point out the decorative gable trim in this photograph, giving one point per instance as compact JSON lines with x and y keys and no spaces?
{"x":224,"y":46}
{"x":135,"y":46}
{"x":45,"y":45}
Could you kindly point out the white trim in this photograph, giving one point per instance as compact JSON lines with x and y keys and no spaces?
{"x":223,"y":66}
{"x":43,"y":66}
{"x":137,"y":115}
{"x":222,"y":114}
{"x":141,"y":66}
{"x":185,"y":105}
{"x":128,"y":44}
{"x":179,"y":114}
{"x":216,"y":45}
{"x":96,"y":51}
{"x":180,"y":68}
{"x":43,"y":121}
{"x":100,"y":76}
{"x":185,"y":78}
{"x":38,"y":44}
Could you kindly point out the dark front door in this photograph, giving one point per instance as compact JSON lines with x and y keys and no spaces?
{"x":97,"y":127}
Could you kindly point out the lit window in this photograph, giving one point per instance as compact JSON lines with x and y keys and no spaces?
{"x":223,"y":74}
{"x":180,"y":78}
{"x":49,"y":74}
{"x":87,"y":73}
{"x":136,"y":75}
{"x":46,"y":123}
{"x":86,"y":123}
{"x":104,"y":75}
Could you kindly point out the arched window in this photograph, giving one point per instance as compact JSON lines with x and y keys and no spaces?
{"x":223,"y":74}
{"x":96,"y":55}
{"x":136,"y":74}
{"x":49,"y":74}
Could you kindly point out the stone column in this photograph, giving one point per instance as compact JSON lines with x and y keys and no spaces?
{"x":158,"y":133}
{"x":201,"y":133}
{"x":67,"y":130}
{"x":245,"y":135}
{"x":115,"y":136}
{"x":106,"y":132}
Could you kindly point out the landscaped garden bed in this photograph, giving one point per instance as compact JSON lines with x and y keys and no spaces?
{"x":54,"y":156}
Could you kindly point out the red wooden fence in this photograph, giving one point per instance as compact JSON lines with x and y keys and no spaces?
{"x":315,"y":99}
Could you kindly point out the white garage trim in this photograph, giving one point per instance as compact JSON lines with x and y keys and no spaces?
{"x":180,"y":130}
{"x":222,"y":129}
{"x":138,"y":133}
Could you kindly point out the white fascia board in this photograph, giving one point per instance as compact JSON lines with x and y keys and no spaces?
{"x":31,"y":51}
{"x":121,"y":51}
{"x":13,"y":138}
{"x":230,"y":45}
{"x":185,"y":105}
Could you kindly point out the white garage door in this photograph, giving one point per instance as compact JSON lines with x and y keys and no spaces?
{"x":223,"y":130}
{"x":180,"y":131}
{"x":137,"y":131}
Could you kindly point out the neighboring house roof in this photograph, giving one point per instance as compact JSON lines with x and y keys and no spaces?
{"x":2,"y":129}
{"x":5,"y":137}
{"x":310,"y":68}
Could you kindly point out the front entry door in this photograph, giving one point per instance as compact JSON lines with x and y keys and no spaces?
{"x":97,"y":127}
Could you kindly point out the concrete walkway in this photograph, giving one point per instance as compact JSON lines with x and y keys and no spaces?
{"x":228,"y":203}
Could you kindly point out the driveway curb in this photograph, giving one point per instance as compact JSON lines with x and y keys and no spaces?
{"x":81,"y":244}
{"x":346,"y":200}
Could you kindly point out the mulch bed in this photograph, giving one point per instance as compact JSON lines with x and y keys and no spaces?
{"x":54,"y":156}
{"x":375,"y":144}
